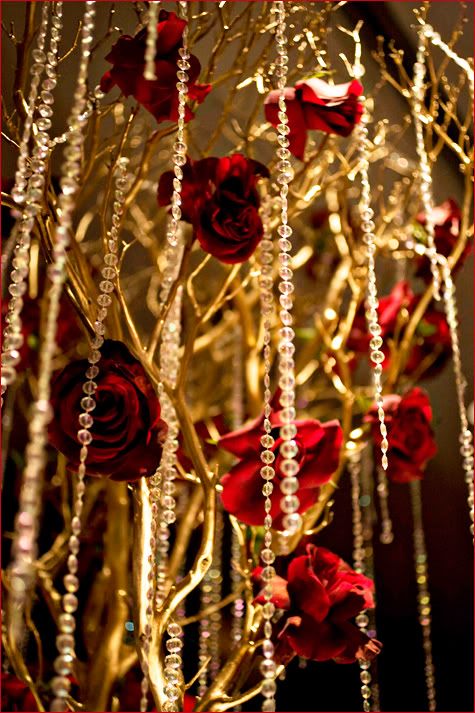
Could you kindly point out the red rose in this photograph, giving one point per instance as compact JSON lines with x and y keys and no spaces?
{"x":68,"y":332}
{"x":321,"y":595}
{"x":411,"y":439}
{"x":220,"y":200}
{"x":16,"y":696}
{"x":446,"y":219}
{"x":319,"y":447}
{"x":314,"y":104}
{"x":127,"y":429}
{"x":389,"y":309}
{"x":158,"y":96}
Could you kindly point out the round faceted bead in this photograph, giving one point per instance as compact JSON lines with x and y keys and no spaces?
{"x":174,"y":644}
{"x":268,"y":668}
{"x":70,"y":603}
{"x":65,"y":643}
{"x":67,"y":623}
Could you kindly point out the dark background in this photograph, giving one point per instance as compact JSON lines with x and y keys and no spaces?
{"x":330,"y":687}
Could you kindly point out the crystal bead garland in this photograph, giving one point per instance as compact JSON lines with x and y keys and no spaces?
{"x":179,"y":147}
{"x":237,"y":416}
{"x":24,"y":547}
{"x":64,"y":662}
{"x":169,"y":362}
{"x":268,"y":665}
{"x":466,"y":436}
{"x":425,"y":173}
{"x":359,"y":556}
{"x":29,"y":184}
{"x":374,"y":328}
{"x":288,"y":449}
{"x":151,"y":41}
{"x":210,"y":626}
{"x":423,"y":594}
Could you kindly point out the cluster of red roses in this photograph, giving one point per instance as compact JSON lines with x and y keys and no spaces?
{"x":219,"y":195}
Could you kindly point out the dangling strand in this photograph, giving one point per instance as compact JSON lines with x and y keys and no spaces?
{"x":151,"y":41}
{"x":26,"y":525}
{"x":65,"y":640}
{"x":288,"y":449}
{"x":425,"y":172}
{"x":268,"y":665}
{"x":237,"y":415}
{"x":29,"y":184}
{"x":466,"y":437}
{"x":179,"y":147}
{"x":359,"y":563}
{"x":423,"y":594}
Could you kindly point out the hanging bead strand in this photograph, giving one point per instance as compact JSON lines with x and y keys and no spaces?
{"x":466,"y":436}
{"x":423,"y":594}
{"x":374,"y":328}
{"x":65,"y":640}
{"x":151,"y":41}
{"x":29,"y":184}
{"x":268,"y":665}
{"x":425,"y":172}
{"x":179,"y":147}
{"x":26,"y":525}
{"x":359,"y":563}
{"x":288,"y":449}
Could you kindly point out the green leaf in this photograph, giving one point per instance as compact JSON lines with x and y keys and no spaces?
{"x":426,"y":329}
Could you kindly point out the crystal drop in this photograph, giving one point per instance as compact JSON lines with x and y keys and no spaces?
{"x":70,"y":603}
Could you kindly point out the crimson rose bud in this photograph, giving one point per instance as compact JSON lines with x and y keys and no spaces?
{"x":315,"y":104}
{"x":127,"y":431}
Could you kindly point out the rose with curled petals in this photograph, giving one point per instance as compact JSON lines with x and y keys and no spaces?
{"x":320,"y":596}
{"x":319,"y":446}
{"x":315,"y":104}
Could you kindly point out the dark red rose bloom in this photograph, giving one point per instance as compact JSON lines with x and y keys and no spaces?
{"x":446,"y":218}
{"x":314,"y":104}
{"x":319,"y":447}
{"x":411,"y":439}
{"x":127,"y":430}
{"x":158,"y":96}
{"x":321,"y":595}
{"x":388,"y":312}
{"x":16,"y":696}
{"x":67,"y":335}
{"x":220,"y":200}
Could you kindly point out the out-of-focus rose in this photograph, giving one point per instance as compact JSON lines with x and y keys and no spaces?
{"x":67,"y":335}
{"x":446,"y":217}
{"x":158,"y":96}
{"x":315,"y":104}
{"x":220,"y":200}
{"x":127,"y":430}
{"x":319,"y":447}
{"x":320,"y":596}
{"x":16,"y":696}
{"x":411,"y":439}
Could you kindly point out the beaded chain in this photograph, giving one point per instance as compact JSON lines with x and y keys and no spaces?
{"x":288,"y":449}
{"x":466,"y":436}
{"x":179,"y":147}
{"x":162,"y":485}
{"x":423,"y":595}
{"x":374,"y":328}
{"x":26,"y":525}
{"x":29,"y":184}
{"x":237,"y":415}
{"x":65,"y":640}
{"x":425,"y":173}
{"x":210,"y":625}
{"x":268,"y":666}
{"x":359,"y":564}
{"x":151,"y":41}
